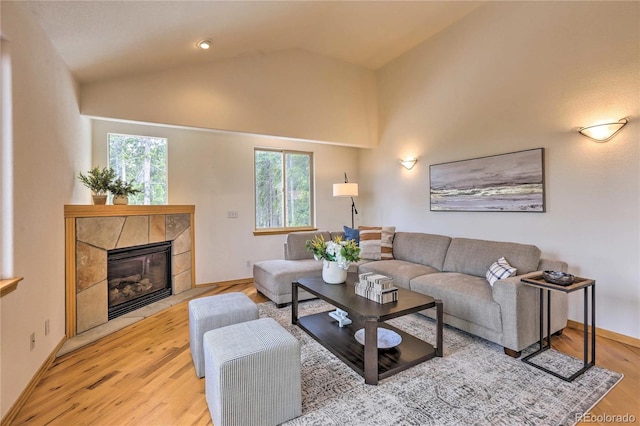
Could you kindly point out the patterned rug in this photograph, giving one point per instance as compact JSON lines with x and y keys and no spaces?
{"x":474,"y":383}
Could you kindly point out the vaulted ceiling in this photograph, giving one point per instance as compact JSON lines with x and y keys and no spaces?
{"x":106,"y":39}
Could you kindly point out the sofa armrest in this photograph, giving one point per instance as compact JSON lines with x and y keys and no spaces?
{"x":552,"y":265}
{"x":519,"y":309}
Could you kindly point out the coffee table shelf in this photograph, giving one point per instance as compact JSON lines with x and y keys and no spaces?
{"x":342,"y":343}
{"x":367,"y":360}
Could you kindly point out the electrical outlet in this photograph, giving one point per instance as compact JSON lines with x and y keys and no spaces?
{"x":248,"y":264}
{"x":232,"y":214}
{"x":46,"y":327}
{"x":32,"y":341}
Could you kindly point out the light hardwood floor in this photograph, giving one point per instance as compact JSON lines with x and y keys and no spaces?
{"x":143,"y":375}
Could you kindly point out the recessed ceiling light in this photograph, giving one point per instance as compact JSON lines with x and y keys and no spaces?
{"x":204,"y":44}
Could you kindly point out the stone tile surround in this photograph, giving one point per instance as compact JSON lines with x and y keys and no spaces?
{"x":94,"y":236}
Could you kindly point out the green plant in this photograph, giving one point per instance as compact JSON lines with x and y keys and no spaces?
{"x":343,"y":252}
{"x":98,"y":180}
{"x":123,"y":188}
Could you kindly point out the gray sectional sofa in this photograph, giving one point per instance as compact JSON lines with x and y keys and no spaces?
{"x":450,"y":269}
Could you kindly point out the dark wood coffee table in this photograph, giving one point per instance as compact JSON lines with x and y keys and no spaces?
{"x":370,"y":362}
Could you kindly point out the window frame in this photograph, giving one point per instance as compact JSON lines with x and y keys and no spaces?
{"x":285,"y":229}
{"x":166,"y":160}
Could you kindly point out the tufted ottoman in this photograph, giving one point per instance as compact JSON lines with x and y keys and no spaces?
{"x":252,"y":374}
{"x":207,"y":313}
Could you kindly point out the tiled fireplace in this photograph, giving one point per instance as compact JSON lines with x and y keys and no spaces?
{"x":138,"y":276}
{"x":93,"y":231}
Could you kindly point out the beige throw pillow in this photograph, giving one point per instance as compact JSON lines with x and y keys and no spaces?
{"x":376,"y":242}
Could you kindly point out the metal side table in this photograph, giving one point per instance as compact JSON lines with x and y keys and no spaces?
{"x":579,"y":283}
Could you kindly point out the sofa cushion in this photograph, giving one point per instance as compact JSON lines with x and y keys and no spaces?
{"x":400,"y":270}
{"x":425,"y":249}
{"x":500,"y":269}
{"x":376,"y":242}
{"x":473,"y":257}
{"x":337,"y":234}
{"x":277,"y":275}
{"x":464,"y":296}
{"x":296,"y":244}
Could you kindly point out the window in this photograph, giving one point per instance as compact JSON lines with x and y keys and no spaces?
{"x":284,"y":194}
{"x":143,"y":160}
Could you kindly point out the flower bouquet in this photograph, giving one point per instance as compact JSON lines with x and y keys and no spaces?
{"x":336,"y":250}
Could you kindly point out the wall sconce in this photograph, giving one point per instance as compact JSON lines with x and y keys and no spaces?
{"x":408,"y":163}
{"x":603,"y":132}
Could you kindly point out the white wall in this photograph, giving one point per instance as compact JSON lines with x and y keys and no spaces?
{"x":510,"y":76}
{"x":514,"y":76}
{"x":289,"y":93}
{"x":214,"y":171}
{"x":50,"y":146}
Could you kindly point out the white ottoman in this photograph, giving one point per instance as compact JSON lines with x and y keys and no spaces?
{"x":252,"y":374}
{"x":212,"y":312}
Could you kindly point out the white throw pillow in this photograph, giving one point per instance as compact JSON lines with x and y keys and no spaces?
{"x":500,"y":269}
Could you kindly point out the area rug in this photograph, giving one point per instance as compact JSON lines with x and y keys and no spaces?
{"x":475,"y":383}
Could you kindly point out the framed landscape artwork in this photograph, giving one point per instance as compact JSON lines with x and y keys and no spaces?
{"x":511,"y":182}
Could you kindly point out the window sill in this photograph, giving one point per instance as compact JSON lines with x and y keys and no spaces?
{"x":258,"y":233}
{"x":8,"y":285}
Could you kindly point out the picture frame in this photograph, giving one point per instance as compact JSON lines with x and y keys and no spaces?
{"x":512,"y":182}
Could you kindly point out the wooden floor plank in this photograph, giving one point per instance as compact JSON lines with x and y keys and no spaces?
{"x":144,"y":375}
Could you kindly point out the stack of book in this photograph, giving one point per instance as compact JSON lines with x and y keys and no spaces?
{"x":377,"y":287}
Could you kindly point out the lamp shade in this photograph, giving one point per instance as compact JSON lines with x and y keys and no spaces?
{"x":345,"y":189}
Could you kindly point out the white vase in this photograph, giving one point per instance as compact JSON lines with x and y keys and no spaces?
{"x":332,"y":274}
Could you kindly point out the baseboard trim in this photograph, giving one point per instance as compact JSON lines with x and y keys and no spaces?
{"x":227,"y":283}
{"x":621,"y":338}
{"x":26,"y":393}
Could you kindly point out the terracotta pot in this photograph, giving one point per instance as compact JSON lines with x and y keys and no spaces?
{"x":99,"y":199}
{"x":120,"y":200}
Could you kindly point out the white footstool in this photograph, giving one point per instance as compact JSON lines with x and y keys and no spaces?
{"x":212,"y":312}
{"x":252,"y":374}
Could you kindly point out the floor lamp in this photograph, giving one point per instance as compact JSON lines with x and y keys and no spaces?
{"x":347,"y":189}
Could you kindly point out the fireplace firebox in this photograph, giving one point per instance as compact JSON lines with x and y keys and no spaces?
{"x":137,"y":276}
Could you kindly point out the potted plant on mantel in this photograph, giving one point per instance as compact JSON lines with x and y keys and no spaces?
{"x":98,"y":181}
{"x":121,"y":190}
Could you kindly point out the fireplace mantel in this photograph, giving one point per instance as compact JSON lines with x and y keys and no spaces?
{"x":120,"y":210}
{"x":156,"y":223}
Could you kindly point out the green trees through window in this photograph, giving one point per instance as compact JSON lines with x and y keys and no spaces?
{"x":141,"y":159}
{"x":283,"y":192}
